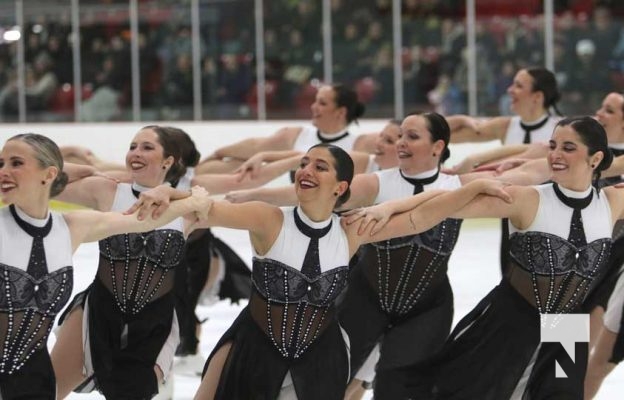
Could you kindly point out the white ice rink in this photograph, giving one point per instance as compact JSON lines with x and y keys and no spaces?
{"x":473,"y":272}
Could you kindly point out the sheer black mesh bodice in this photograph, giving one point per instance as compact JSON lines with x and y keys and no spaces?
{"x":27,"y":311}
{"x":551,"y":273}
{"x":405,"y":270}
{"x":137,"y":267}
{"x":290,"y":308}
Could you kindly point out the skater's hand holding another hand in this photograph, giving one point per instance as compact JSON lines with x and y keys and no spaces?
{"x":377,"y":215}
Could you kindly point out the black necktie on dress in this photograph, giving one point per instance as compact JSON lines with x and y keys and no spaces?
{"x":37,"y":265}
{"x":530,"y":128}
{"x":330,"y":140}
{"x":311,"y":262}
{"x":420,"y":183}
{"x":577,"y":233}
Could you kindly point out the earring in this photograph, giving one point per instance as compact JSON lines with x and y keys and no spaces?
{"x":592,"y":165}
{"x":164,"y":167}
{"x":434,"y":154}
{"x":43,"y":182}
{"x":335,"y":193}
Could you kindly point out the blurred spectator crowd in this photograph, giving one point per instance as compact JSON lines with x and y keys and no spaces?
{"x":588,"y":51}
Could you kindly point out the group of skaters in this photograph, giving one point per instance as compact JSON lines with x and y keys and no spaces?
{"x":348,"y":287}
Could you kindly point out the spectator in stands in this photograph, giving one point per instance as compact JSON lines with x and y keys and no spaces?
{"x":104,"y":104}
{"x":40,"y":84}
{"x":588,"y":82}
{"x":234,"y":82}
{"x":178,"y":89}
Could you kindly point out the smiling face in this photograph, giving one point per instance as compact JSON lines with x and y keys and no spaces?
{"x":326,"y":115}
{"x":21,"y":174}
{"x":415,"y":147}
{"x":523,"y":99}
{"x":611,"y":117}
{"x":569,"y":159}
{"x":385,"y":146}
{"x":316,"y":178}
{"x":145,"y":159}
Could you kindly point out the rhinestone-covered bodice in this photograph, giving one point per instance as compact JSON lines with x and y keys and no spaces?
{"x":404,"y":270}
{"x":292,"y":309}
{"x":28,"y":307}
{"x":136,"y":267}
{"x":283,"y":284}
{"x":558,"y":273}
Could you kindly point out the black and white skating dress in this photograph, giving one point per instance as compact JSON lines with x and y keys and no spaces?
{"x":399,"y":294}
{"x":495,"y":351}
{"x":287,"y":339}
{"x":129,"y":314}
{"x":36,"y":282}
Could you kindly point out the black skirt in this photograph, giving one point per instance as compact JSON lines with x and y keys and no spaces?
{"x":33,"y":381}
{"x":255,"y":369}
{"x":405,"y":339}
{"x":490,"y":349}
{"x":124,"y":348}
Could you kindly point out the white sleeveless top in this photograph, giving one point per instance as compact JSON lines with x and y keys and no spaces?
{"x":291,"y":244}
{"x":15,"y":243}
{"x":554,"y":217}
{"x":393,"y":186}
{"x":515,"y":133}
{"x":307,"y":138}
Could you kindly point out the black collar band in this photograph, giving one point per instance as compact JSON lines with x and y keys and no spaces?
{"x":576,"y":203}
{"x":32,"y":230}
{"x":308,"y":230}
{"x":330,"y":140}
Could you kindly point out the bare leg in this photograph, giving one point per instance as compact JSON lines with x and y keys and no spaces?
{"x":213,"y":272}
{"x":208,"y":387}
{"x":159,"y":373}
{"x":595,"y":325}
{"x":68,"y":355}
{"x":599,"y":366}
{"x":355,"y":390}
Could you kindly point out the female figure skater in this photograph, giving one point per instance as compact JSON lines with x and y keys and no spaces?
{"x":287,"y":341}
{"x":611,"y":116}
{"x":495,"y":351}
{"x":36,"y":247}
{"x":125,"y":318}
{"x":399,"y":296}
{"x":533,"y":93}
{"x":334,"y":109}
